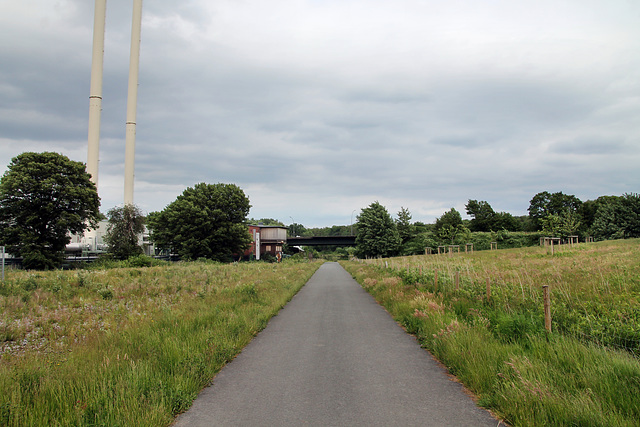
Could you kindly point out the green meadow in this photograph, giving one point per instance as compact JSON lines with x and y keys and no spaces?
{"x":585,"y":372}
{"x":128,"y":346}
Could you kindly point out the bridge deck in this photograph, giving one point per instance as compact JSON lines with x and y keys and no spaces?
{"x":322,"y":240}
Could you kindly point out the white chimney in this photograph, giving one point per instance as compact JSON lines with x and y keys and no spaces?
{"x":95,"y":92}
{"x":132,"y":102}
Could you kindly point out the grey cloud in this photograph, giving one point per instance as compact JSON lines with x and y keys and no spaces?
{"x":436,"y":106}
{"x":590,"y":146}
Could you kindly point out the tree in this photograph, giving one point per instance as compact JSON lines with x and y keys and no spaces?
{"x":406,"y":230}
{"x":506,"y":221}
{"x":617,"y":218}
{"x":377,"y":234}
{"x":544,"y":204}
{"x":44,"y":197}
{"x":266,"y":221}
{"x":125,"y":225}
{"x":449,"y":226}
{"x":483,"y":215}
{"x":564,"y":225}
{"x":296,"y":230}
{"x":206,"y":221}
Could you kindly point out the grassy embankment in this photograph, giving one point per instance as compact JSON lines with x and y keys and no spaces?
{"x":586,"y":372}
{"x":128,"y":346}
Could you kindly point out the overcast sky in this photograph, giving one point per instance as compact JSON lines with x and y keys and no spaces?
{"x":317,"y":108}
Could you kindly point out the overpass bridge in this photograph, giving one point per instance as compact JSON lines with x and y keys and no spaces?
{"x":322,"y":240}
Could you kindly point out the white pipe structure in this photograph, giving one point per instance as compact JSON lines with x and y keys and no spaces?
{"x":95,"y":93}
{"x":132,"y":102}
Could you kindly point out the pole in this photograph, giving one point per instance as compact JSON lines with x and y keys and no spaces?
{"x":132,"y":102}
{"x":258,"y":246}
{"x":95,"y":91}
{"x":352,"y":221}
{"x":547,"y":308}
{"x":435,"y":281}
{"x":3,"y":263}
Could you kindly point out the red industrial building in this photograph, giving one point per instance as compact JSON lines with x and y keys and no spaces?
{"x":266,"y":239}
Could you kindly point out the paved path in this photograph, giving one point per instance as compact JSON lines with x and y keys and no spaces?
{"x":333,"y":357}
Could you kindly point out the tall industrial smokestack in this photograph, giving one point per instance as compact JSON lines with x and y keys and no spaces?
{"x":95,"y":93}
{"x":132,"y":102}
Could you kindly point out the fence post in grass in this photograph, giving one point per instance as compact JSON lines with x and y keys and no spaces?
{"x":457,"y":280}
{"x":488,"y":289}
{"x":547,"y":308}
{"x":551,"y":247}
{"x":435,"y":281}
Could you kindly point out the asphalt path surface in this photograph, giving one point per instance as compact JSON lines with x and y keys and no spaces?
{"x":334,"y":357}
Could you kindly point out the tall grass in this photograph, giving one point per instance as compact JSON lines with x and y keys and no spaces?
{"x":583,"y":373}
{"x":128,"y":346}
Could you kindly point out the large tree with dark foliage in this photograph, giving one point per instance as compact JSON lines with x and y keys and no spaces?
{"x":406,"y":230}
{"x":482,"y":215}
{"x":449,"y":226}
{"x":617,"y":217}
{"x":544,"y":204}
{"x":484,"y":218}
{"x":206,"y":221}
{"x":43,"y":198}
{"x":126,"y":223}
{"x":377,"y":234}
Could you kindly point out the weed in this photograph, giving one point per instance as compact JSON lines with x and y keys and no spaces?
{"x":105,"y":293}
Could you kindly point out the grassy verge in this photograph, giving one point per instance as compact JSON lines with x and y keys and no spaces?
{"x":584,"y":373}
{"x":128,"y":346}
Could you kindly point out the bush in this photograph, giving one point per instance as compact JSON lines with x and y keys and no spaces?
{"x":139,"y":261}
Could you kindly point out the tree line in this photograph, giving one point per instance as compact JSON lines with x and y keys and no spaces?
{"x":550,"y":214}
{"x":44,"y":197}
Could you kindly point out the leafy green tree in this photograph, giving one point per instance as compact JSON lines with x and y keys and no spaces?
{"x":296,"y":230}
{"x":564,"y":225}
{"x":544,"y":204}
{"x":421,"y":227}
{"x":450,"y":226}
{"x":589,"y":209}
{"x":206,"y":221}
{"x":506,"y":221}
{"x":617,"y":218}
{"x":266,"y":221}
{"x":377,"y":234}
{"x":43,"y":198}
{"x":406,"y":230}
{"x":126,"y":223}
{"x":483,"y":215}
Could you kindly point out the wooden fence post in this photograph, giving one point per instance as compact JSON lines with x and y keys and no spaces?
{"x":547,"y":308}
{"x":435,"y":282}
{"x":488,"y":289}
{"x":457,"y":280}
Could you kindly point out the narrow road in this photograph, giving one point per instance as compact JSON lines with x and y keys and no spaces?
{"x":333,"y":357}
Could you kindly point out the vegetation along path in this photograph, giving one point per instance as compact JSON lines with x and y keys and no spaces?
{"x":334,"y":357}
